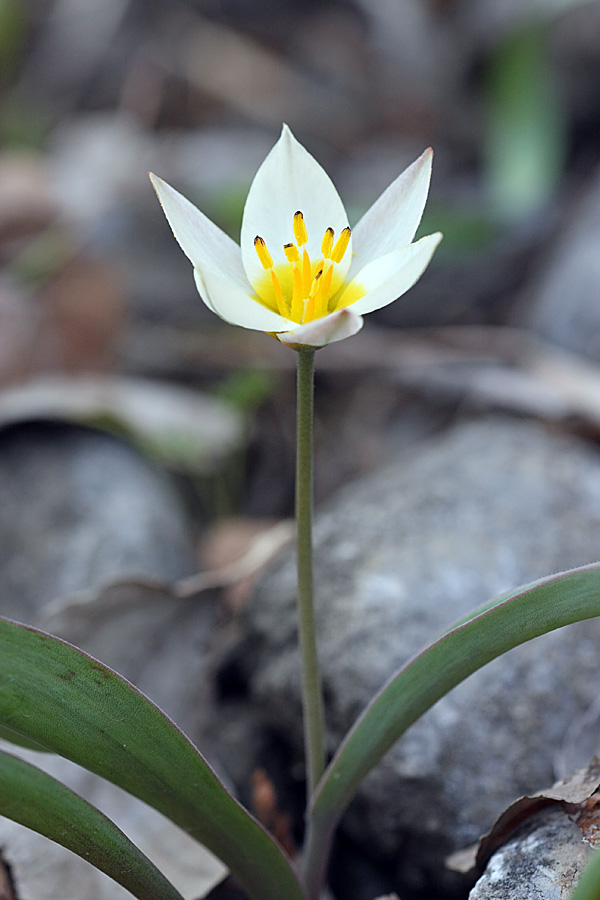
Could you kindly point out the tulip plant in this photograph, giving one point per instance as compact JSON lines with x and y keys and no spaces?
{"x":301,"y":275}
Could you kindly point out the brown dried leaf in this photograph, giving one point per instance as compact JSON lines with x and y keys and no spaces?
{"x":576,"y":795}
{"x":266,"y":810}
{"x":235,"y":552}
{"x":183,"y":428}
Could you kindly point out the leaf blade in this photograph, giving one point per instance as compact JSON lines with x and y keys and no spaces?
{"x":38,"y":801}
{"x":56,"y":695}
{"x":492,"y":630}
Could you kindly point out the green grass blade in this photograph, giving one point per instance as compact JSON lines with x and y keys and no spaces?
{"x":519,"y":616}
{"x":526,"y":134}
{"x":34,"y":799}
{"x":55,"y":695}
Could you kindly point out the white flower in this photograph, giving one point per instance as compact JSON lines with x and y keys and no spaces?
{"x":299,"y":272}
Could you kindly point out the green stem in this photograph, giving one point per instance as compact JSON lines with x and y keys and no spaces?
{"x":312,"y":699}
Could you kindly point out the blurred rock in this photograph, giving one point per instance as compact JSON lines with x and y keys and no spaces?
{"x":399,"y":556}
{"x":543,"y":861}
{"x":78,"y":507}
{"x":564,"y":298}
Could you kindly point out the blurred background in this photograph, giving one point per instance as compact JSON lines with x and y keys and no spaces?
{"x":103,"y":338}
{"x":94,"y":94}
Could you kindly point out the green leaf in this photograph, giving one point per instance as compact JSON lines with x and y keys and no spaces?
{"x":8,"y":734}
{"x":57,"y":696}
{"x":493,"y":629}
{"x":588,"y":886}
{"x":34,"y":799}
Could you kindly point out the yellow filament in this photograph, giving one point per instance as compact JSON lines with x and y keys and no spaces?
{"x":296,"y":310}
{"x":291,"y":253}
{"x":321,"y":297}
{"x":341,"y":245}
{"x":262,"y":252}
{"x":306,"y":274}
{"x":281,"y":303}
{"x":310,"y":308}
{"x":316,"y":280}
{"x":300,"y":232}
{"x":327,"y":243}
{"x":324,"y":292}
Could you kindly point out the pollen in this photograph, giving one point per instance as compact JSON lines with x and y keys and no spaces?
{"x":300,"y":232}
{"x":341,"y":245}
{"x":262,"y":252}
{"x":297,"y":286}
{"x":327,"y":243}
{"x":291,"y":252}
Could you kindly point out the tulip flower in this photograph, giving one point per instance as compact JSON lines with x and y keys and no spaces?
{"x":300,"y":273}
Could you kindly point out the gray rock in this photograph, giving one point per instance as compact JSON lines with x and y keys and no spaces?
{"x":543,"y":861}
{"x":564,"y":301}
{"x":78,"y":507}
{"x":399,"y":556}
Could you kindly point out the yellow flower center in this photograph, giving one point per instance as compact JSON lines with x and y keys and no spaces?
{"x":299,"y":288}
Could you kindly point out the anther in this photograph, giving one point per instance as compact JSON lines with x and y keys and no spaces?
{"x":327,"y":243}
{"x":341,"y":245}
{"x":291,"y":253}
{"x":300,"y":232}
{"x":262,"y":252}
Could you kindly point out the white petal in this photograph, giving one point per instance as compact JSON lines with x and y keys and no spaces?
{"x":203,"y":242}
{"x":290,"y":179}
{"x":386,"y":279}
{"x":235,"y":305}
{"x":393,"y":219}
{"x":335,"y":327}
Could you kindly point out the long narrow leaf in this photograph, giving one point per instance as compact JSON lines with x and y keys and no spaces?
{"x":55,"y":695}
{"x":519,"y":616}
{"x":34,"y":799}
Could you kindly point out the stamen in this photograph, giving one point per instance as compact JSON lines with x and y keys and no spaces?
{"x":262,"y":252}
{"x":310,"y":305}
{"x":308,"y":291}
{"x":296,"y":310}
{"x":281,"y":303}
{"x":316,"y":279}
{"x":300,"y":232}
{"x":327,"y":243}
{"x":306,"y":274}
{"x":291,"y":252}
{"x":324,"y":292}
{"x":341,"y":245}
{"x":320,"y":296}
